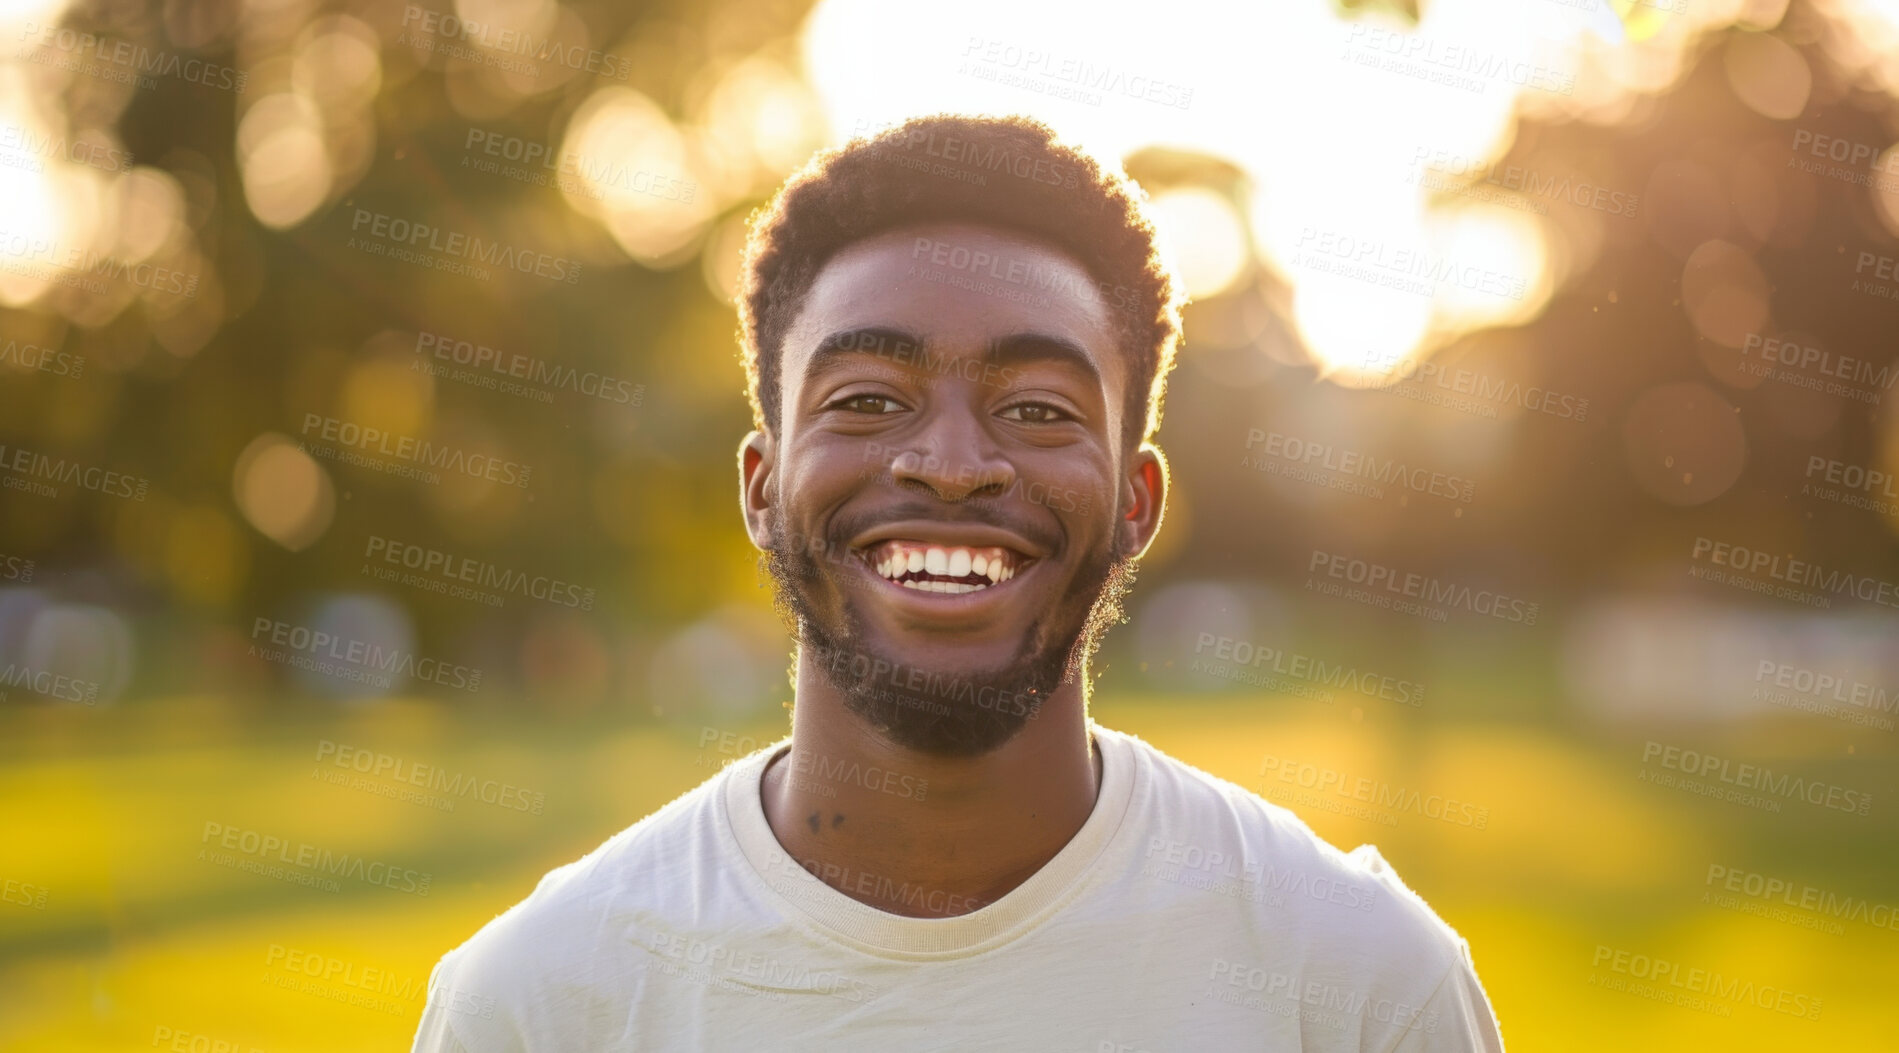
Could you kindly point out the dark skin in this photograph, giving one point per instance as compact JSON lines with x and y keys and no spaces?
{"x":1053,"y":424}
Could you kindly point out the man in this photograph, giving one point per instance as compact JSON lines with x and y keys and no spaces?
{"x":957,"y":335}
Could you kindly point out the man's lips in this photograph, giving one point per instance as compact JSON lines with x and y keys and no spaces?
{"x":944,"y":533}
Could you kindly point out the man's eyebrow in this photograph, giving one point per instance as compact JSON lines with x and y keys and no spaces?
{"x":877,"y":340}
{"x":1022,"y":348}
{"x":904,"y":348}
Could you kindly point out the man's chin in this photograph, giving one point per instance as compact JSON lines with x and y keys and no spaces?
{"x":924,"y":652}
{"x":950,"y":730}
{"x":947,"y":710}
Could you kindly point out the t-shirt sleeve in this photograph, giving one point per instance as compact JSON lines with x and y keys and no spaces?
{"x":436,"y":1034}
{"x":1457,"y":1017}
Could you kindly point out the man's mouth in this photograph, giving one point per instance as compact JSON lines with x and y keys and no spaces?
{"x":952,"y":569}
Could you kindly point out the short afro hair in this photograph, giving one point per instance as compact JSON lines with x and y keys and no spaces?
{"x":1008,"y":172}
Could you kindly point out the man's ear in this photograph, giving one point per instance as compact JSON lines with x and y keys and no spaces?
{"x":1144,"y":499}
{"x":757,"y":454}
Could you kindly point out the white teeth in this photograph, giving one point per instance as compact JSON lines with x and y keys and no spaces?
{"x":953,"y":562}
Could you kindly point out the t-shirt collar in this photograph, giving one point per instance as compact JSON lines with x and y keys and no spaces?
{"x":799,"y":894}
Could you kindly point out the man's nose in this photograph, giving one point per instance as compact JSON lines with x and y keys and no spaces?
{"x":954,"y":457}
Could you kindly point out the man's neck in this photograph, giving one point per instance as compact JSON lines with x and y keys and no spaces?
{"x":920,"y":835}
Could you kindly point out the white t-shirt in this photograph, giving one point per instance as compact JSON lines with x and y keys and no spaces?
{"x":1186,"y":914}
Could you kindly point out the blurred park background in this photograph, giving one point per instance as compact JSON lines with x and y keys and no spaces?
{"x":1584,"y":311}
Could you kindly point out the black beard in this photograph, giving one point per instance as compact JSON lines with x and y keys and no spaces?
{"x":945,"y":713}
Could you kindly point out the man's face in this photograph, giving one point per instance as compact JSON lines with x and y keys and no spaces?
{"x":945,"y":503}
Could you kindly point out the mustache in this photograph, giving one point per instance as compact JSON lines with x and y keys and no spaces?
{"x":990,"y":512}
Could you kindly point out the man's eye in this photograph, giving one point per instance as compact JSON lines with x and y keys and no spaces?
{"x":872,"y":404}
{"x":1035,"y":413}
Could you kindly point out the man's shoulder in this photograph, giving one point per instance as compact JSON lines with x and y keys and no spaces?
{"x":559,"y":962}
{"x":1215,"y":833}
{"x":639,"y":871}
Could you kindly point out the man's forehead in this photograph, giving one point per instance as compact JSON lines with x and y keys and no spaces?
{"x":957,"y":288}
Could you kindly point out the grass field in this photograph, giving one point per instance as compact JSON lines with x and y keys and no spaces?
{"x":126,"y":925}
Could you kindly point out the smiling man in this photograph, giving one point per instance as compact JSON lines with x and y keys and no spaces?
{"x":957,"y":335}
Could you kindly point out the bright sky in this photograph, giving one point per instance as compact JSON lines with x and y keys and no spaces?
{"x":1335,"y":122}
